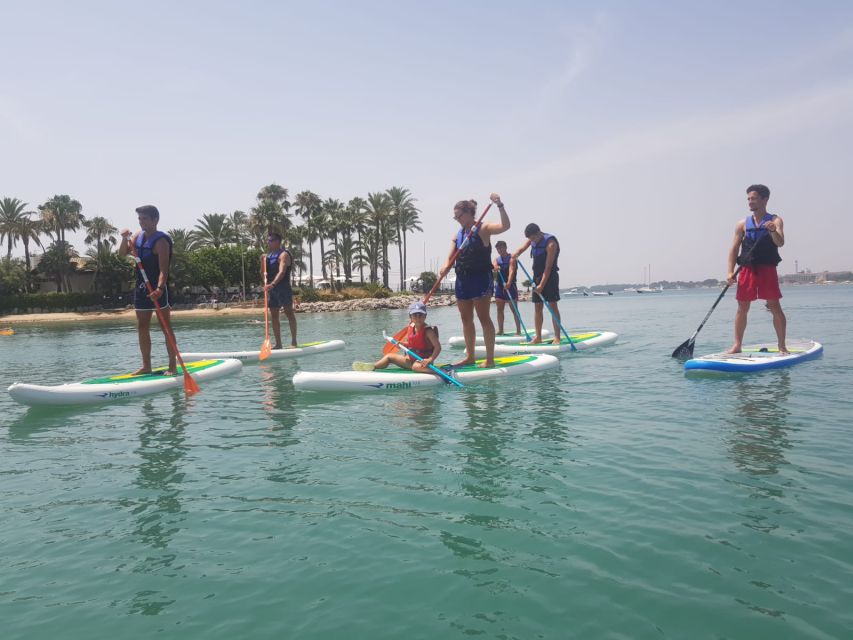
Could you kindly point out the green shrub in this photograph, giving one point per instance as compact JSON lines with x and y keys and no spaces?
{"x":50,"y":301}
{"x":376,"y":290}
{"x":307,"y":294}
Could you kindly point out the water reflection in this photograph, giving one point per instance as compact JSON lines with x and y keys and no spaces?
{"x":548,"y":404}
{"x":485,"y":439}
{"x":158,"y":511}
{"x":419,"y":414}
{"x":760,"y":437}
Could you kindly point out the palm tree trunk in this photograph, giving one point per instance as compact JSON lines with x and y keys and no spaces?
{"x":405,"y":258}
{"x":323,"y":258}
{"x":360,"y":262}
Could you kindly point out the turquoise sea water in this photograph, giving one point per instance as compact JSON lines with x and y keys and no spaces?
{"x":611,"y":498}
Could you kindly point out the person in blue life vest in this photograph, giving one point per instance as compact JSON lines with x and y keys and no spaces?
{"x":277,"y":265}
{"x":544,"y":251}
{"x":474,"y":277}
{"x":505,"y":266}
{"x":154,"y":249}
{"x":756,"y":248}
{"x":420,"y":338}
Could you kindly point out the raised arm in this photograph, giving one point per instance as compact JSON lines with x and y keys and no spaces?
{"x":488,"y":229}
{"x":777,"y":233}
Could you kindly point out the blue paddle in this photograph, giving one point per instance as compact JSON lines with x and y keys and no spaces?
{"x":548,"y":306}
{"x":514,"y":307}
{"x":399,"y":345}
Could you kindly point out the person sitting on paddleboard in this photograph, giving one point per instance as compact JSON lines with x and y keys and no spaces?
{"x":154,"y":249}
{"x":473,"y":265}
{"x":544,"y":251}
{"x":757,"y":240}
{"x":276,"y":266}
{"x":503,"y":293}
{"x":420,"y":338}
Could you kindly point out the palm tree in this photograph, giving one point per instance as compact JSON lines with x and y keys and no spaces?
{"x":402,"y":208}
{"x":307,"y":205}
{"x":56,"y":262}
{"x":213,"y":230}
{"x":183,"y":242}
{"x":330,"y":224}
{"x":410,"y":222}
{"x":275,"y":193}
{"x":357,"y":216}
{"x":29,"y":230}
{"x":100,"y":233}
{"x":239,"y":224}
{"x":271,"y":213}
{"x":379,"y":212}
{"x":61,"y":214}
{"x":11,"y":214}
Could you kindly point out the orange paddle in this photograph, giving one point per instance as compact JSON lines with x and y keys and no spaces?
{"x":190,"y":386}
{"x":389,"y":346}
{"x":266,"y":347}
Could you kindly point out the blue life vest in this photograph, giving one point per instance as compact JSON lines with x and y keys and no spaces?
{"x":475,"y":257}
{"x":272,"y":268}
{"x":538,"y":252}
{"x":503,"y":264}
{"x":150,"y":261}
{"x":757,"y":247}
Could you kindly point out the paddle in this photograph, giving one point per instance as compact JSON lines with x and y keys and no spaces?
{"x":548,"y":306}
{"x":684,"y":351}
{"x":266,"y":347}
{"x":388,"y":348}
{"x":396,"y":343}
{"x":514,"y":307}
{"x":190,"y":386}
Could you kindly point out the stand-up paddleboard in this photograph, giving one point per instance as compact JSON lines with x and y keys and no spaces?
{"x":756,"y":357}
{"x":507,"y":338}
{"x":394,"y":379}
{"x":7,"y":332}
{"x":307,"y":349}
{"x":119,"y":387}
{"x":582,"y":341}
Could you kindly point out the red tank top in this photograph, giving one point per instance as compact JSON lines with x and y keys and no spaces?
{"x":418,"y":342}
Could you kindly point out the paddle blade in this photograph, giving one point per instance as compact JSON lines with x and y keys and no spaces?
{"x":266,"y":350}
{"x":684,"y":351}
{"x":389,"y":346}
{"x":362,"y":366}
{"x":190,"y":386}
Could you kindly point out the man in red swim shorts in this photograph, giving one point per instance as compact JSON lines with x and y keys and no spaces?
{"x":757,"y":241}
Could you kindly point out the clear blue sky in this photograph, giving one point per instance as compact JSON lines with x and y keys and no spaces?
{"x":629,"y":130}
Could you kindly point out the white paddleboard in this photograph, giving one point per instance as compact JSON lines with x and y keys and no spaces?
{"x":394,"y":379}
{"x":119,"y":387}
{"x":582,"y":341}
{"x":756,"y":357}
{"x":307,"y":349}
{"x":507,"y":338}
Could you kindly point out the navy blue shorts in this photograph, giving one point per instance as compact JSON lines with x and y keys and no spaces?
{"x":477,"y":285}
{"x":280,"y":297}
{"x":552,"y":289}
{"x":141,"y":301}
{"x":506,"y":294}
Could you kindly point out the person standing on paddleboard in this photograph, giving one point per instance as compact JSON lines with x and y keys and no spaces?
{"x":756,"y":249}
{"x":421,"y":339}
{"x":276,"y":266}
{"x":154,"y":249}
{"x":473,"y":267}
{"x":505,"y":287}
{"x":544,"y":251}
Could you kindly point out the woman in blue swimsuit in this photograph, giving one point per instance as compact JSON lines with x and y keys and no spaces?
{"x":473,"y":267}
